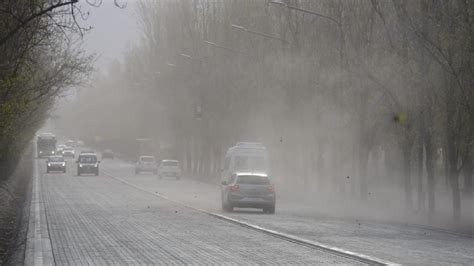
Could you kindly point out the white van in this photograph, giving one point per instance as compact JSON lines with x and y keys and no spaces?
{"x":250,"y":157}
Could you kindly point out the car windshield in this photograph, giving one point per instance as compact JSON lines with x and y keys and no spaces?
{"x":87,"y":159}
{"x":252,"y":180}
{"x":147,"y":159}
{"x":169,"y":163}
{"x":56,"y":159}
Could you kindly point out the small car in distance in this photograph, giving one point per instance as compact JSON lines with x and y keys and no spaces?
{"x":69,"y":152}
{"x":146,"y":163}
{"x":87,"y":163}
{"x":248,"y":190}
{"x":108,"y":153}
{"x":60,"y":148}
{"x":55,"y":163}
{"x":169,"y":168}
{"x":70,"y":143}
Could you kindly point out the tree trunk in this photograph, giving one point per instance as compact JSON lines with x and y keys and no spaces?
{"x":430,"y":172}
{"x":363,"y":162}
{"x":456,"y":197}
{"x":420,"y":155}
{"x":189,"y":156}
{"x":454,"y":175}
{"x":467,"y":171}
{"x":407,"y":175}
{"x":421,"y":195}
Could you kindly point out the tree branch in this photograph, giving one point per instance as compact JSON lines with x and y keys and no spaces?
{"x":25,"y":22}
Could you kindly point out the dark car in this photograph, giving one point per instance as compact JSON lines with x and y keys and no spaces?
{"x":108,"y":154}
{"x":248,"y":190}
{"x":55,"y":163}
{"x":87,"y":163}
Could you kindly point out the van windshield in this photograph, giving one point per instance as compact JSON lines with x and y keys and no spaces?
{"x":251,"y":164}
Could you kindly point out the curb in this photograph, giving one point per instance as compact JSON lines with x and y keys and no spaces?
{"x":38,"y":244}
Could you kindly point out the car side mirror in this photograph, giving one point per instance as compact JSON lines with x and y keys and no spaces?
{"x":98,"y":161}
{"x":224,"y":183}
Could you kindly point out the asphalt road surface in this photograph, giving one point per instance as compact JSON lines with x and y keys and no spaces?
{"x":119,"y":218}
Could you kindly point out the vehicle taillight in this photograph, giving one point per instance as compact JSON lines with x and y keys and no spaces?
{"x":234,"y":187}
{"x":271,"y":188}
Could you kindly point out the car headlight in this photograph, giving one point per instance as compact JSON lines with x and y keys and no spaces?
{"x":96,"y":165}
{"x":52,"y":152}
{"x":41,"y":152}
{"x":80,"y":165}
{"x":49,"y":164}
{"x":64,"y":163}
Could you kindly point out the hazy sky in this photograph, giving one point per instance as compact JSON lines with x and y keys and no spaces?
{"x":114,"y":30}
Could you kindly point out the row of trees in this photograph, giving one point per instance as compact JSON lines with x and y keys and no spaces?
{"x":360,"y":97}
{"x":40,"y":57}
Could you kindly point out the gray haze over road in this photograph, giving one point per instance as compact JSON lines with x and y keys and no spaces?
{"x":105,"y":219}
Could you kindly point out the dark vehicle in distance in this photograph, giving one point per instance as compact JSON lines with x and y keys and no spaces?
{"x":55,"y":163}
{"x":70,"y":143}
{"x":46,"y":145}
{"x":87,"y":163}
{"x":60,"y":148}
{"x":248,"y":190}
{"x":108,"y":154}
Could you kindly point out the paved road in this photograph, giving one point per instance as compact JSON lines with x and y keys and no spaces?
{"x":117,"y":218}
{"x":398,"y":243}
{"x":98,"y":220}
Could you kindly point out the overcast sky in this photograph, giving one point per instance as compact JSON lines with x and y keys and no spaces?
{"x":114,"y":30}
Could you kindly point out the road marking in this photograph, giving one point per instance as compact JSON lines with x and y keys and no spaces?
{"x":38,"y":247}
{"x":292,"y":238}
{"x":38,"y":244}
